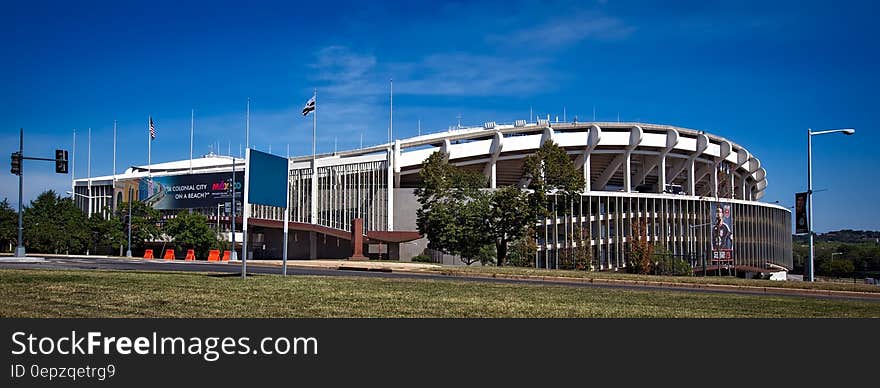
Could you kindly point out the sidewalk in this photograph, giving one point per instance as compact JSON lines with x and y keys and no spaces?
{"x":350,"y":265}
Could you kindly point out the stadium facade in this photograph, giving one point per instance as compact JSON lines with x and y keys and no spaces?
{"x":695,"y":193}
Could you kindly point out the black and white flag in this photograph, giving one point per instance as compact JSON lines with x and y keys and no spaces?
{"x":310,"y":106}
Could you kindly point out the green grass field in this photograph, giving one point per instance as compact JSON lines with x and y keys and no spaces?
{"x":842,"y":285}
{"x":47,"y":293}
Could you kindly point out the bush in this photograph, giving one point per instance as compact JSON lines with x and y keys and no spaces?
{"x":423,"y":258}
{"x":667,"y":264}
{"x":522,"y":252}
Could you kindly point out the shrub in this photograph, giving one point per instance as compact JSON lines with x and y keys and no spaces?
{"x":423,"y":258}
{"x":522,"y":251}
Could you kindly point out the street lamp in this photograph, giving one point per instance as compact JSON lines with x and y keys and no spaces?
{"x":810,"y":134}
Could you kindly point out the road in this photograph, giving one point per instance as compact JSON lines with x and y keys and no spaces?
{"x":120,"y":264}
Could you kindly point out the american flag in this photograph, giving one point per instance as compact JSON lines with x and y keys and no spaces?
{"x":152,"y":129}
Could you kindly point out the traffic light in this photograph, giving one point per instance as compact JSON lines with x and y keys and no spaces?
{"x":61,"y":161}
{"x":16,"y":163}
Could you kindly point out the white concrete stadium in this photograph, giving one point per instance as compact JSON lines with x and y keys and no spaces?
{"x":670,"y":177}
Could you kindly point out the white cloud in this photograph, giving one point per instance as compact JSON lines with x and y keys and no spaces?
{"x":346,"y":73}
{"x":566,"y":31}
{"x":465,"y":74}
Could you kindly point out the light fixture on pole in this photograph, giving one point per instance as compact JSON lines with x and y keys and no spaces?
{"x":846,"y":131}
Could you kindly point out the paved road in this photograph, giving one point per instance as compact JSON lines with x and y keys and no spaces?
{"x":92,"y":263}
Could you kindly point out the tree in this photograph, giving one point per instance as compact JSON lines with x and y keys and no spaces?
{"x":837,"y":267}
{"x":55,"y":225}
{"x":522,"y":250}
{"x":144,"y":223}
{"x":453,"y":211}
{"x":509,"y":219}
{"x":191,"y":231}
{"x":105,"y":234}
{"x":641,"y":253}
{"x":8,"y":226}
{"x":550,"y":170}
{"x":665,"y":263}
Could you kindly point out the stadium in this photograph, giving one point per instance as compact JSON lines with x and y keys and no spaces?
{"x":697,"y":194}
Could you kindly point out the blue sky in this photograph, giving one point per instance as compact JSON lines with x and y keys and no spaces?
{"x":757,"y":73}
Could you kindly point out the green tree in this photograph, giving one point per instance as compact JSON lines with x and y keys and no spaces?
{"x":106,"y":235}
{"x":509,"y":219}
{"x":522,"y":250}
{"x":144,"y":223}
{"x":665,"y":263}
{"x":551,"y":170}
{"x":54,"y":225}
{"x":837,"y":267}
{"x":191,"y":231}
{"x":8,"y":226}
{"x":453,"y":211}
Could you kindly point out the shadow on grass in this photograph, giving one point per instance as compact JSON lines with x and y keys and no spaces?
{"x":232,"y":275}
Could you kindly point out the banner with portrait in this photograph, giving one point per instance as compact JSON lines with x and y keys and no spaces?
{"x":722,"y":233}
{"x":801,"y":219}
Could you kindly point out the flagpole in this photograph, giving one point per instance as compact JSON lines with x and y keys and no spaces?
{"x":247,"y":134}
{"x":149,"y":153}
{"x":314,"y":124}
{"x":391,"y":126}
{"x":286,"y":214}
{"x":192,"y":126}
{"x":314,"y":189}
{"x":73,"y":169}
{"x":89,"y":172}
{"x":114,"y":154}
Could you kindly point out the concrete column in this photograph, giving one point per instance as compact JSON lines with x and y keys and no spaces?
{"x":594,"y":134}
{"x":635,"y":138}
{"x":491,"y":170}
{"x":313,"y":208}
{"x":396,"y":161}
{"x":691,"y":185}
{"x":493,"y":175}
{"x":714,"y":183}
{"x":661,"y":174}
{"x":390,"y":203}
{"x":357,"y":239}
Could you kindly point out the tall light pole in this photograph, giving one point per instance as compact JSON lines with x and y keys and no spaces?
{"x":810,"y":134}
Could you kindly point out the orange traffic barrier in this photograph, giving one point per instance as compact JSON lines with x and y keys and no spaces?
{"x":169,"y":254}
{"x":225,"y":256}
{"x":190,"y":255}
{"x":214,"y":255}
{"x":148,"y":254}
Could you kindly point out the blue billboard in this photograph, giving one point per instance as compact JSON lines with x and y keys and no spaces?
{"x":267,"y":174}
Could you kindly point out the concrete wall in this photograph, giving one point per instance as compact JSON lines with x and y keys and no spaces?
{"x":297,"y":245}
{"x":405,"y":206}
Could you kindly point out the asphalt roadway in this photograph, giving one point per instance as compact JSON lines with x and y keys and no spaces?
{"x":136,"y":264}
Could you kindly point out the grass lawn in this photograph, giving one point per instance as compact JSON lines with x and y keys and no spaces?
{"x":49,"y":293}
{"x":725,"y":280}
